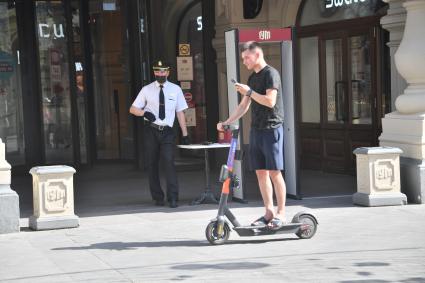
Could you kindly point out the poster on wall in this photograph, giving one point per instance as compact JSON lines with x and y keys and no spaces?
{"x":190,"y":115}
{"x":184,"y":69}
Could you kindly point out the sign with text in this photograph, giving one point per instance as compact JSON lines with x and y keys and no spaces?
{"x":338,"y":3}
{"x":265,"y":35}
{"x":184,"y":69}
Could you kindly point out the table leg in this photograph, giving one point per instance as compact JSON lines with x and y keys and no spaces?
{"x":207,"y":196}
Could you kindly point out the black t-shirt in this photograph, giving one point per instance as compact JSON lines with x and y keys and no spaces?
{"x":264,"y":117}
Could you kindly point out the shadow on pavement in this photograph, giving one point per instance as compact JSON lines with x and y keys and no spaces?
{"x":121,"y":246}
{"x":223,"y":266}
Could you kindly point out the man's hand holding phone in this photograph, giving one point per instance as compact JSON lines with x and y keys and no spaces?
{"x":241,"y":88}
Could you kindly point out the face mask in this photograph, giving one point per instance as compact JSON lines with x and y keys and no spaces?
{"x":161,"y":79}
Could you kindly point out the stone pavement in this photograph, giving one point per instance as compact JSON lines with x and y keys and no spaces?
{"x":150,"y":244}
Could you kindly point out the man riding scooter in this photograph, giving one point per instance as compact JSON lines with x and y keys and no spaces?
{"x":264,"y":93}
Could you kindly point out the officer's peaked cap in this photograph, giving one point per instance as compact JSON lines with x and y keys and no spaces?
{"x":160,"y":66}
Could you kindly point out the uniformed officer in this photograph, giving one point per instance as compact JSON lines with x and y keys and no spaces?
{"x":159,"y":102}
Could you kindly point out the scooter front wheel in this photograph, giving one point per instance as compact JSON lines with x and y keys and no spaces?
{"x":212,"y":234}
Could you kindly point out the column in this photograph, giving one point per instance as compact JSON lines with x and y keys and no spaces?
{"x":405,"y":127}
{"x":9,"y":199}
{"x":394,"y":22}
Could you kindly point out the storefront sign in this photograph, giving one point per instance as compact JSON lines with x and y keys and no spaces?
{"x":45,"y":30}
{"x":265,"y":35}
{"x":338,"y":3}
{"x":184,"y":69}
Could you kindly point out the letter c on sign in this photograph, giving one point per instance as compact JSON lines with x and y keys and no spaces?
{"x":40,"y":29}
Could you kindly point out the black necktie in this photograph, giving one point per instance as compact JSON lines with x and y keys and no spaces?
{"x":161,"y":104}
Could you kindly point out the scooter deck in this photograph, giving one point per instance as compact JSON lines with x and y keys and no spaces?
{"x":264,"y":230}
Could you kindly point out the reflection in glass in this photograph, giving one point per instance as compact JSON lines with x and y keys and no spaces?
{"x":336,"y":87}
{"x":310,"y":88}
{"x":11,"y":116}
{"x":54,"y":78}
{"x":360,"y":80}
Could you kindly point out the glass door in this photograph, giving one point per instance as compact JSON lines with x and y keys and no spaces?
{"x":11,"y":115}
{"x":348,"y":96}
{"x":54,"y":80}
{"x":110,"y":65}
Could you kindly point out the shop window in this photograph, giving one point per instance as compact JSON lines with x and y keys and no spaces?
{"x":11,"y":116}
{"x":192,"y":82}
{"x":54,"y":80}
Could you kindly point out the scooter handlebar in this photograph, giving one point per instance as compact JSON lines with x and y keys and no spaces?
{"x":230,"y":127}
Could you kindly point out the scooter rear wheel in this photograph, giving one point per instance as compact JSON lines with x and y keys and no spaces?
{"x":308,"y":228}
{"x":213,"y":237}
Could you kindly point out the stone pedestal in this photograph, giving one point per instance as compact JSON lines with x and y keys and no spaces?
{"x":9,"y":199}
{"x":405,"y":128}
{"x":53,"y":197}
{"x":378,"y":177}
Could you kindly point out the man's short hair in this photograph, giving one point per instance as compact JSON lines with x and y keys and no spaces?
{"x":251,"y":46}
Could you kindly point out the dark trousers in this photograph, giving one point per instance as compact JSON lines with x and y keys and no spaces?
{"x":161,"y":145}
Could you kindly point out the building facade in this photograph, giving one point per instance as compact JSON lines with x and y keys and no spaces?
{"x":71,"y":69}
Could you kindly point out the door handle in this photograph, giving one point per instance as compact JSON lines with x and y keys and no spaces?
{"x":116,"y":102}
{"x":340,"y":114}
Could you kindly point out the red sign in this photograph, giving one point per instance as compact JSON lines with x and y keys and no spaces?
{"x":188,"y":96}
{"x":189,"y":100}
{"x":265,"y":35}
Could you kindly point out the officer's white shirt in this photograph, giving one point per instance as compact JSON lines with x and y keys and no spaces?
{"x":148,"y":100}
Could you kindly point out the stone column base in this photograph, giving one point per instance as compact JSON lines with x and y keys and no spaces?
{"x":9,"y":211}
{"x":413,"y":179}
{"x":56,"y":222}
{"x":379,"y":199}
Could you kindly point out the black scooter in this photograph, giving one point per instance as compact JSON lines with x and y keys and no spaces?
{"x":303,"y":224}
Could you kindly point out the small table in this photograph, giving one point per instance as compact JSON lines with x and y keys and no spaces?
{"x":207,"y":196}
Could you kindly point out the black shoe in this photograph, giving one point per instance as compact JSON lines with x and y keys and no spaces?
{"x":159,"y":203}
{"x":173,"y":203}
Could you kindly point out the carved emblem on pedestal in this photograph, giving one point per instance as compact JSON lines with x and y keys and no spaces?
{"x":55,"y":198}
{"x":383,"y":174}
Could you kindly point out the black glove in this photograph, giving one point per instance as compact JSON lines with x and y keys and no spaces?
{"x":149,"y":116}
{"x":185,"y":140}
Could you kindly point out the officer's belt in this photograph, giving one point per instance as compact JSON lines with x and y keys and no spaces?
{"x":159,"y":127}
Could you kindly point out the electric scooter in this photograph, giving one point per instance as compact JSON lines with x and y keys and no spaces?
{"x":303,"y":224}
